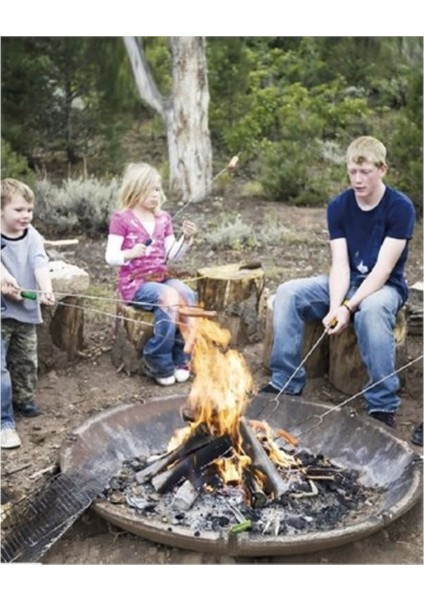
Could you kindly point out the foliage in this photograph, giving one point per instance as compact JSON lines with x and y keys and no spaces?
{"x":15,"y":166}
{"x":62,"y":97}
{"x":234,"y":234}
{"x":76,"y":206}
{"x":288,"y":106}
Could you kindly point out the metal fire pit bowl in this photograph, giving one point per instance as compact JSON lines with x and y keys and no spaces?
{"x":349,"y":440}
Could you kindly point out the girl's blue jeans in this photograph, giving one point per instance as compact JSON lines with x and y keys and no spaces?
{"x":164,"y":351}
{"x":308,"y":299}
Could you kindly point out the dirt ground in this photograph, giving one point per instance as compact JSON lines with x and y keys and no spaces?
{"x":71,"y":394}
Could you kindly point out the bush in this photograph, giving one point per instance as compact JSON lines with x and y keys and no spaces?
{"x":233,"y":235}
{"x":16,"y":166}
{"x":78,"y":207}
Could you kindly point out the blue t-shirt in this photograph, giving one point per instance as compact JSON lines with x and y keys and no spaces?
{"x":365,"y":231}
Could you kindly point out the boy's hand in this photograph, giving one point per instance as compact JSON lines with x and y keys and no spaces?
{"x":10,"y":287}
{"x":47,"y":298}
{"x":336,"y":321}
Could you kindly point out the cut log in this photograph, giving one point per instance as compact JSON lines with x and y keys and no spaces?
{"x":347,"y":372}
{"x":234,"y":291}
{"x":132,"y":330}
{"x":55,"y":243}
{"x":317,"y":363}
{"x":63,"y":324}
{"x":261,"y":461}
{"x":192,"y":464}
{"x":414,"y":309}
{"x":67,"y":326}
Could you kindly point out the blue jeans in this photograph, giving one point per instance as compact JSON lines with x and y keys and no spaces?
{"x":164,"y":351}
{"x":308,"y":299}
{"x":7,"y":418}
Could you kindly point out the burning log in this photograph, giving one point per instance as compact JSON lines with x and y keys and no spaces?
{"x":261,"y":461}
{"x":200,"y":437}
{"x":193,"y":463}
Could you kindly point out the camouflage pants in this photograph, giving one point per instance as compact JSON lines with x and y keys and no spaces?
{"x":19,"y":360}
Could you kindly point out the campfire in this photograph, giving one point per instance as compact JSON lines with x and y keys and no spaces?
{"x":225,"y":471}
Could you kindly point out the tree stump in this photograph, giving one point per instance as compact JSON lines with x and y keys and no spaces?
{"x":347,"y":372}
{"x":414,"y":309}
{"x":133,"y":328}
{"x":235,"y":292}
{"x":317,"y":363}
{"x":63,"y":324}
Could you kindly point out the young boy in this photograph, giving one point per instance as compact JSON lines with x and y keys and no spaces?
{"x":369,"y":226}
{"x":24,"y":266}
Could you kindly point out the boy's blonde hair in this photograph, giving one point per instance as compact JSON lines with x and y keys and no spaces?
{"x":137,"y":183}
{"x":367,"y":149}
{"x":11,"y":188}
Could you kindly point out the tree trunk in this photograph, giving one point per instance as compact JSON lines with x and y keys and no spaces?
{"x":189,"y":146}
{"x":185,"y":113}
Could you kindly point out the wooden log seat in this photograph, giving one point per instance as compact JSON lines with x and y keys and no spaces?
{"x":63,"y":323}
{"x":317,"y":363}
{"x":234,"y":291}
{"x":414,"y":309}
{"x":133,"y":328}
{"x":346,"y":370}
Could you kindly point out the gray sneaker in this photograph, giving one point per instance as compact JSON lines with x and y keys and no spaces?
{"x":10,"y":438}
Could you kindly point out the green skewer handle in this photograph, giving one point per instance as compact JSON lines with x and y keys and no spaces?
{"x":240,"y":527}
{"x":29,"y":295}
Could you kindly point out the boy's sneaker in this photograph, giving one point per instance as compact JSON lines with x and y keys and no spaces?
{"x":10,"y":438}
{"x":165,"y":380}
{"x":182,"y":374}
{"x":27,"y":410}
{"x":388,"y":418}
{"x":269,"y":389}
{"x":417,"y":436}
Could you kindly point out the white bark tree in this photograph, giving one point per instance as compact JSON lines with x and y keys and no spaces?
{"x":184,"y":112}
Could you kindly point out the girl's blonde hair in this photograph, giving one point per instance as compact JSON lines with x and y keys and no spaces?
{"x":137,"y":183}
{"x":11,"y":188}
{"x":367,"y":149}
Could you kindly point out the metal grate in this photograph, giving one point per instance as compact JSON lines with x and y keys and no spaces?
{"x":32,"y":525}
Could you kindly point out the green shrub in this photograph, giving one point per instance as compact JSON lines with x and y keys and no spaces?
{"x":232,"y":235}
{"x":14,"y":165}
{"x":78,"y":207}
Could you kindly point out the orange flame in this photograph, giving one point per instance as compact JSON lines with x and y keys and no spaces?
{"x":221,"y":390}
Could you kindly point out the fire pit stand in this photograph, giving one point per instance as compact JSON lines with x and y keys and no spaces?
{"x":349,"y":440}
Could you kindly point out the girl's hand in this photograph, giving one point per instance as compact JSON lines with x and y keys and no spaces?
{"x":189,"y":229}
{"x":136,"y":251}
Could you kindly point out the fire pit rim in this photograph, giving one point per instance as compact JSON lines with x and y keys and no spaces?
{"x":244,"y":544}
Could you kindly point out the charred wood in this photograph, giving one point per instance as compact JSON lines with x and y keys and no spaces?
{"x":195,"y":461}
{"x":261,"y":461}
{"x":258,"y":498}
{"x":185,"y":496}
{"x":200,"y":437}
